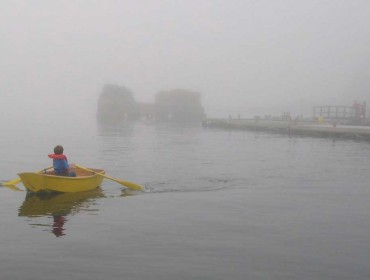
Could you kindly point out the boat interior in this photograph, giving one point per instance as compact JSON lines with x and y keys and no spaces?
{"x":79,"y":172}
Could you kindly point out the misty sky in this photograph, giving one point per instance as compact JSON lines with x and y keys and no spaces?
{"x":245,"y":57}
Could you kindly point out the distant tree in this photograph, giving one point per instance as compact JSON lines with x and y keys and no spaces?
{"x":116,"y":103}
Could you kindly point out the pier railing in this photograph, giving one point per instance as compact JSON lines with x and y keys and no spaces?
{"x":333,"y":112}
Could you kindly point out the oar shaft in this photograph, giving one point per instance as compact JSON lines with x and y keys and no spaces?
{"x":18,"y":180}
{"x":130,"y":185}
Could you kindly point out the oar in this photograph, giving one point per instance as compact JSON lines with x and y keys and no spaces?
{"x":16,"y":181}
{"x":12,"y":187}
{"x":130,"y":185}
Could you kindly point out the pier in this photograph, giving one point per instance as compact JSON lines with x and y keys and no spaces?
{"x":290,"y":127}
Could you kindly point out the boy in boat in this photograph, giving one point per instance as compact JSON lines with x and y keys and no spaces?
{"x":60,"y":163}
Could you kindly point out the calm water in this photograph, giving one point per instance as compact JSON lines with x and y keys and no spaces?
{"x":218,"y":205}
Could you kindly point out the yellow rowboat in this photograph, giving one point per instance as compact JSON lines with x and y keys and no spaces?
{"x":47,"y":181}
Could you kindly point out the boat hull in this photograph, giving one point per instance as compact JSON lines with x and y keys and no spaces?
{"x":84,"y":181}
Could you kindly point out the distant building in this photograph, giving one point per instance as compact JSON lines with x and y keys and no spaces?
{"x":179,"y":105}
{"x":116,"y":103}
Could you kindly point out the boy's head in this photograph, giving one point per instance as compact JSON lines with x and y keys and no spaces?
{"x":58,"y":150}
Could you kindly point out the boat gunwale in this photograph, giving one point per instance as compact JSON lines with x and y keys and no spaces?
{"x":102,"y":172}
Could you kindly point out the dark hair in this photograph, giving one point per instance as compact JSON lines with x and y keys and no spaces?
{"x":58,"y":150}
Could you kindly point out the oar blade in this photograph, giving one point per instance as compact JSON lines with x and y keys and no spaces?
{"x":131,"y":185}
{"x":12,"y":182}
{"x":11,"y":187}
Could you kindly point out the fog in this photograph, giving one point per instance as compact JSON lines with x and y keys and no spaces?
{"x":245,"y":57}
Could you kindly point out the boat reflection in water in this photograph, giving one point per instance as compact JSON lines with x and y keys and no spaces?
{"x":57,"y":206}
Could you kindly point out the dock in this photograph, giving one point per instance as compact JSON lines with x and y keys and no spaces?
{"x":290,"y":127}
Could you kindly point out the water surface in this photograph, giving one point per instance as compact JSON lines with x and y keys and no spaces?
{"x":218,"y":205}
